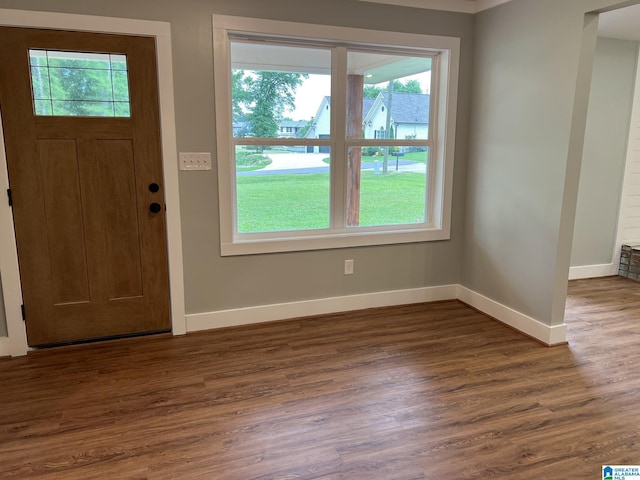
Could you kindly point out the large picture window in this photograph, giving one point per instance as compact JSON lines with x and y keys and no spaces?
{"x":332,"y":143}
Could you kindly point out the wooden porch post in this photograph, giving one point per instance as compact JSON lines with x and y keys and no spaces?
{"x":355,"y":87}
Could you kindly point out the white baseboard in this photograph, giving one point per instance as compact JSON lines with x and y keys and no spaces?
{"x":593,"y":271}
{"x":5,"y":351}
{"x":550,"y":335}
{"x":281,"y":311}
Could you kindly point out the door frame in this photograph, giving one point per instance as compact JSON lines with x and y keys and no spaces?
{"x":16,"y":344}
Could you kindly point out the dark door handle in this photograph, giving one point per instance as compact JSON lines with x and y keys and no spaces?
{"x":154,"y":187}
{"x":155,"y":207}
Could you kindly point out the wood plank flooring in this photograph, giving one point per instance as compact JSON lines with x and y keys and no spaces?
{"x":425,"y":391}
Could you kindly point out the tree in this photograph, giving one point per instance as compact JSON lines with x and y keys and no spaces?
{"x":265,"y":96}
{"x":80,"y":87}
{"x":303,"y":131}
{"x":239,"y":95}
{"x":371,"y":91}
{"x":411,"y":86}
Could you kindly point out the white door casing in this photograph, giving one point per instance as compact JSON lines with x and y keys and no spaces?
{"x":17,"y":340}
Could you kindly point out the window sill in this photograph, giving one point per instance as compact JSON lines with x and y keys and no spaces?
{"x":251,"y":246}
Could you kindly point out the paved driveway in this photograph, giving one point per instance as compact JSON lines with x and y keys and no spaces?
{"x":287,"y":161}
{"x":291,"y":163}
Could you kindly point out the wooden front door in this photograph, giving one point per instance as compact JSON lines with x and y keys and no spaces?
{"x":85,"y":169}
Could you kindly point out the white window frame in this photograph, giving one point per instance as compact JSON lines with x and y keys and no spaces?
{"x":444,"y":87}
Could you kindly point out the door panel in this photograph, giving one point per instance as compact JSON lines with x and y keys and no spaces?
{"x":63,"y":209}
{"x":93,"y":258}
{"x":114,"y":165}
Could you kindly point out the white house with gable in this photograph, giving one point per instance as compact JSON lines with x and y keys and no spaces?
{"x":321,"y":125}
{"x":409,"y":117}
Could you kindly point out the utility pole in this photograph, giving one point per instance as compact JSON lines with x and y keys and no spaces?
{"x":385,"y":163}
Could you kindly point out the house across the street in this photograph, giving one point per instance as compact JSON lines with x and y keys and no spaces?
{"x":409,"y":117}
{"x":286,"y":128}
{"x":290,"y":128}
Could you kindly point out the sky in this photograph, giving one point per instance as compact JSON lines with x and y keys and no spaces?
{"x":316,"y":87}
{"x":309,"y":95}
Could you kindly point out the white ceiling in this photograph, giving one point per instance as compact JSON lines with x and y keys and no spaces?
{"x":623,"y":23}
{"x":465,"y":6}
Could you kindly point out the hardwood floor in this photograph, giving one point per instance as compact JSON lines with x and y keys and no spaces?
{"x":424,"y":391}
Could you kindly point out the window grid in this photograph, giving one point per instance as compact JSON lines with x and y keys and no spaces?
{"x":439,"y":146}
{"x":106,"y":106}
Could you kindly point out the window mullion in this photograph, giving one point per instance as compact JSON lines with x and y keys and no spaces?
{"x":338,"y":130}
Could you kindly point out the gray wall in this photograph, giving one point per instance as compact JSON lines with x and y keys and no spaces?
{"x":514,"y":198}
{"x":213,"y":282}
{"x":604,"y":153}
{"x":531,"y":79}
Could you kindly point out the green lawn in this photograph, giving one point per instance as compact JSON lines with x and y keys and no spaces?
{"x":301,"y":201}
{"x":420,"y":157}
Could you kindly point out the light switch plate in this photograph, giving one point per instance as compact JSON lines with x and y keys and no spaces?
{"x":195,"y":160}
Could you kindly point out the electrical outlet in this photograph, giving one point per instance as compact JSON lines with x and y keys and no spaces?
{"x":348,"y":267}
{"x":195,"y":160}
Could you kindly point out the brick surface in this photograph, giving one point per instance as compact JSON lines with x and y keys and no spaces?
{"x":630,"y":262}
